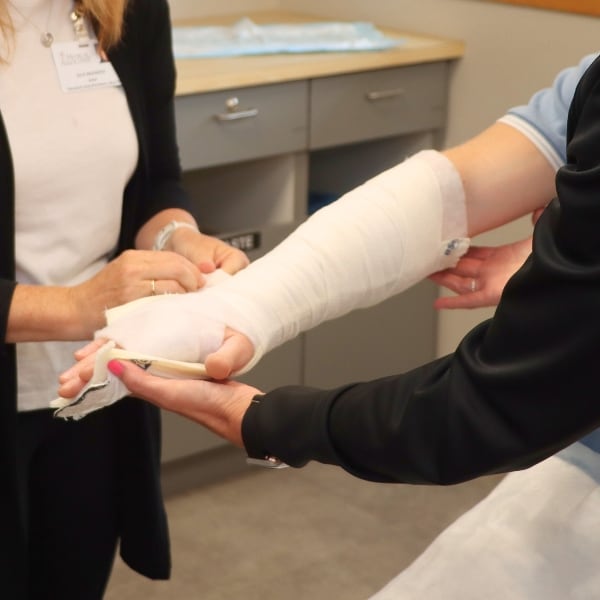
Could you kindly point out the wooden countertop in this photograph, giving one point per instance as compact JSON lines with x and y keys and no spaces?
{"x":213,"y":74}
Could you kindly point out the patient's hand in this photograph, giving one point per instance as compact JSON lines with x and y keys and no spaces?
{"x":74,"y":379}
{"x":233,"y":355}
{"x":218,"y":406}
{"x":481,"y":274}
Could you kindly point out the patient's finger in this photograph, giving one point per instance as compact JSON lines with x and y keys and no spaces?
{"x":89,"y":348}
{"x":82,"y":369}
{"x":73,"y":380}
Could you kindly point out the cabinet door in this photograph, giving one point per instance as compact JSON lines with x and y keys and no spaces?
{"x":377,"y":104}
{"x":236,"y":125}
{"x":389,"y":338}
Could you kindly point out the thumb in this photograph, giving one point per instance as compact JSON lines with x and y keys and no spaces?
{"x":234,"y":262}
{"x":232,"y":356}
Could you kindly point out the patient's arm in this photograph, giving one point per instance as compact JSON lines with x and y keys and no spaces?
{"x":504,"y":175}
{"x":376,"y":241}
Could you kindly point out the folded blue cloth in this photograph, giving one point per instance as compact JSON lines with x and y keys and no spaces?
{"x":248,"y":38}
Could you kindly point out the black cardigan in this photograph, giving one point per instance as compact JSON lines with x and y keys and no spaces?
{"x":145,"y":65}
{"x":519,"y":387}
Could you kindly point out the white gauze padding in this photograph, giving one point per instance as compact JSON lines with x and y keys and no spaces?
{"x":374,"y":242}
{"x":101,"y":391}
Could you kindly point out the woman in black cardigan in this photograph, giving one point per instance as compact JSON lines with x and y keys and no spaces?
{"x":69,"y":492}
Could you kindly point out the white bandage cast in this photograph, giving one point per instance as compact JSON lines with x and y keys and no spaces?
{"x":373,"y":243}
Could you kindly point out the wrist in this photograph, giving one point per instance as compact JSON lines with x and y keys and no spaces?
{"x":42,"y":313}
{"x":257,"y":455}
{"x":85,"y":317}
{"x":162,"y":239}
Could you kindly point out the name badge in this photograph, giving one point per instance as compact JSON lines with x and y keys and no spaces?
{"x":81,"y":67}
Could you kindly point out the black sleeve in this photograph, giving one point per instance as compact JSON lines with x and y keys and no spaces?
{"x":7,"y":245}
{"x":7,"y":289}
{"x":144,"y":61}
{"x":159,"y":77}
{"x":519,"y":387}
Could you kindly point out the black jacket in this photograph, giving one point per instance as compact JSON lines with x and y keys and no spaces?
{"x":145,"y":65}
{"x":520,"y":386}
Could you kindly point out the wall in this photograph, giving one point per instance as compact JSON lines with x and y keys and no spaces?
{"x":511,"y":52}
{"x":182,"y":9}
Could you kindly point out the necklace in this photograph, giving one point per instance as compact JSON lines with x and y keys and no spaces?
{"x":79,"y":28}
{"x":46,"y":38}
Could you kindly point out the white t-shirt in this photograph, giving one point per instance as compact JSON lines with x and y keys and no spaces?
{"x":73,"y":154}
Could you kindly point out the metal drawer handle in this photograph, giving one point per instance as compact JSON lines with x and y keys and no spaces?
{"x":240,"y":114}
{"x":385,"y":94}
{"x":233,"y":114}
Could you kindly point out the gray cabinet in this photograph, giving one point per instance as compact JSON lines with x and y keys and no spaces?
{"x":366,"y":106}
{"x":241,"y":124}
{"x":253,"y":155}
{"x":389,"y":338}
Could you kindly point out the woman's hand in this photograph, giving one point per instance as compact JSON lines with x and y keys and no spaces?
{"x":40,"y":313}
{"x":218,"y":406}
{"x":132,"y":275}
{"x":138,"y":273}
{"x":481,"y":274}
{"x":207,"y":252}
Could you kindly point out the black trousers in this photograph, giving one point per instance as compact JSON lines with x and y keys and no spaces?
{"x":68,"y":491}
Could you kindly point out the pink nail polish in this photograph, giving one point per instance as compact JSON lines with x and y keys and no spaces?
{"x":115,"y":367}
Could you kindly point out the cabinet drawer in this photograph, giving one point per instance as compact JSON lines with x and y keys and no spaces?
{"x":351,"y":108}
{"x":236,"y":125}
